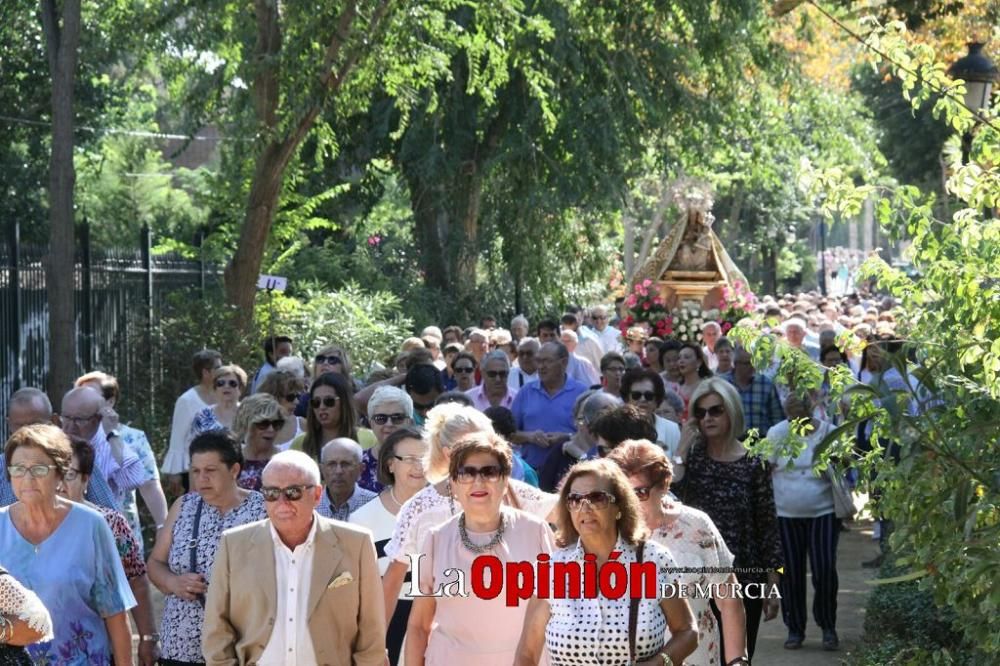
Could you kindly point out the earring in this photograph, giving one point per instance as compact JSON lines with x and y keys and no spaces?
{"x":619,"y":516}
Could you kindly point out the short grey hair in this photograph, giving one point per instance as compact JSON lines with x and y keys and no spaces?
{"x":561,"y":351}
{"x":390,"y":395}
{"x":529,"y":342}
{"x":598,"y":403}
{"x":731,"y":402}
{"x":519,"y":320}
{"x":712,"y":324}
{"x":675,"y":401}
{"x":34,"y":398}
{"x":342,"y":443}
{"x":496,"y":355}
{"x":293,"y":364}
{"x":296,"y":460}
{"x":570,"y":334}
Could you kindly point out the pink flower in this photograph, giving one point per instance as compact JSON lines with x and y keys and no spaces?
{"x":638,"y":288}
{"x":647,"y":282}
{"x":643,"y":291}
{"x":645,"y":306}
{"x":658,"y":301}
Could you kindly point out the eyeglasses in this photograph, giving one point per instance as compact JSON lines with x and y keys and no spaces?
{"x":292,"y":397}
{"x":497,"y":374}
{"x":277,"y":424}
{"x":328,"y":360}
{"x":70,"y":474}
{"x":642,"y":492}
{"x":714,"y":411}
{"x":291,"y":493}
{"x":648,"y":396}
{"x":410,"y":460}
{"x":340,"y":464}
{"x":382,"y":419}
{"x":328,"y":401}
{"x":600,"y":318}
{"x":464,"y":369}
{"x":525,"y":353}
{"x":615,"y":370}
{"x":232,"y":383}
{"x":597,"y":499}
{"x":37,"y":471}
{"x":79,"y":420}
{"x":467,"y":474}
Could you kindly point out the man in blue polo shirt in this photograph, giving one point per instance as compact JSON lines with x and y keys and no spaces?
{"x":543,"y":409}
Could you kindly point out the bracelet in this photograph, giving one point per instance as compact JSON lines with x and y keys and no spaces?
{"x":667,"y":661}
{"x":149,"y":638}
{"x":6,"y":630}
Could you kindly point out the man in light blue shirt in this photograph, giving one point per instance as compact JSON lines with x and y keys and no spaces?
{"x":543,"y":409}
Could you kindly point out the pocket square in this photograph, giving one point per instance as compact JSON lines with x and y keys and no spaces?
{"x":343,"y":579}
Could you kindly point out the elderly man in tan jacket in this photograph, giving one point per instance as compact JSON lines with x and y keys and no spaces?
{"x":295,"y":589}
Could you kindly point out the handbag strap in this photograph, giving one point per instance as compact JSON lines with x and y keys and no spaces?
{"x":633,"y":610}
{"x":193,"y":543}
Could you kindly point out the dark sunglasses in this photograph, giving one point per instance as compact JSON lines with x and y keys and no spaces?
{"x":495,"y":374}
{"x":600,"y":318}
{"x":464,"y":369}
{"x":382,"y":419}
{"x":328,"y":360}
{"x":291,"y":493}
{"x":648,"y":396}
{"x":714,"y":410}
{"x":277,"y":424}
{"x":328,"y":401}
{"x":642,"y":492}
{"x":467,"y":474}
{"x":597,"y":499}
{"x":526,"y":353}
{"x":232,"y":383}
{"x":292,"y":397}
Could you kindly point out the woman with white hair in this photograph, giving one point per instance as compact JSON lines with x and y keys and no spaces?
{"x":446,"y":425}
{"x":389,"y":409}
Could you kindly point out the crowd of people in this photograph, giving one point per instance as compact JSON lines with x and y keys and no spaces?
{"x":318,"y":515}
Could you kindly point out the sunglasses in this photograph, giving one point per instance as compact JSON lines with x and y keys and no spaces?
{"x":526,"y":354}
{"x":642,"y":492}
{"x":36,"y":471}
{"x":382,"y":419}
{"x":291,"y":493}
{"x":328,"y":360}
{"x":714,"y":410}
{"x":497,"y":374}
{"x":292,"y":397}
{"x":277,"y":424}
{"x":597,"y":499}
{"x":232,"y":383}
{"x":464,"y":369}
{"x":328,"y":401}
{"x":467,"y":474}
{"x":600,"y":318}
{"x":648,"y":396}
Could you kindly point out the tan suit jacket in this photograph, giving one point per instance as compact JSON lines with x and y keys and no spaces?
{"x":346,"y":612}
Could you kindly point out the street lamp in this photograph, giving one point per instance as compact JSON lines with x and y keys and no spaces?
{"x":979,"y":73}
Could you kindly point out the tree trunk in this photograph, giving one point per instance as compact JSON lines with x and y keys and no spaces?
{"x":62,"y":37}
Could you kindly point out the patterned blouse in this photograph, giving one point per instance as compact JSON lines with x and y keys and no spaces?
{"x":251,"y":473}
{"x":125,"y":541}
{"x":739,"y":498}
{"x":180,"y":633}
{"x":369,"y":472}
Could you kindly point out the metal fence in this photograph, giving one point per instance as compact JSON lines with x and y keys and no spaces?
{"x":119,"y":295}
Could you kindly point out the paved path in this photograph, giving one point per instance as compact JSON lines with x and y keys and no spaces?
{"x":855,"y":547}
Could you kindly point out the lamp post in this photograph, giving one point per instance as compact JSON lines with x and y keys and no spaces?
{"x":979,"y":73}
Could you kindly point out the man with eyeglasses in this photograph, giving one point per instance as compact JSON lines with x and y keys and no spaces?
{"x":494,"y":391}
{"x":526,"y":368}
{"x":340,"y":462}
{"x":30,"y":406}
{"x":762,"y":408}
{"x":314,"y":595}
{"x":83,"y":414}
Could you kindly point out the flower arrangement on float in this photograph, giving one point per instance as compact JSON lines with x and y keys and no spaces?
{"x":737,"y":303}
{"x":689,"y":318}
{"x":645,"y":307}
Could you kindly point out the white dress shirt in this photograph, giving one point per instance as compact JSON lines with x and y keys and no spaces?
{"x":290,"y":643}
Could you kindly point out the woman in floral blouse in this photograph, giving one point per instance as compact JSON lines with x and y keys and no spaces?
{"x":695,"y":542}
{"x":717,"y":475}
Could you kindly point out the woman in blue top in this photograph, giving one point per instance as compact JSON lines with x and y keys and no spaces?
{"x":65,"y":553}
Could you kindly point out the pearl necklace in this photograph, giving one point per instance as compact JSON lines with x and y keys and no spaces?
{"x":474,"y":547}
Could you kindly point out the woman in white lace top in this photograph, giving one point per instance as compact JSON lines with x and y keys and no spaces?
{"x":23,"y":618}
{"x":446,"y":424}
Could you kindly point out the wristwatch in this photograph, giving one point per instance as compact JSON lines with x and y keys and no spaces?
{"x":149,"y":638}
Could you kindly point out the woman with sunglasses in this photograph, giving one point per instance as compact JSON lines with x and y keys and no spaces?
{"x":286,"y":388}
{"x":389,"y":408}
{"x":446,"y":425}
{"x":65,"y":553}
{"x":716,"y":474}
{"x":463,"y":367}
{"x":332,"y":358}
{"x":695,"y":543}
{"x":229,"y":382}
{"x":401,"y":473}
{"x":258,"y":422}
{"x":598,"y":514}
{"x":331,"y":415}
{"x":643,"y":388}
{"x":182,"y":558}
{"x":449,"y":630}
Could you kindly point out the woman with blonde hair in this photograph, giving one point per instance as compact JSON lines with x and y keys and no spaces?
{"x":286,"y":388}
{"x":330,"y":358}
{"x":445,"y":426}
{"x":257,"y":424}
{"x":230,"y":381}
{"x":599,"y":519}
